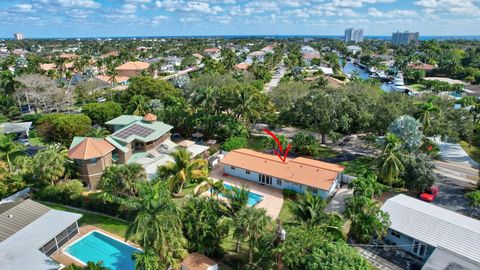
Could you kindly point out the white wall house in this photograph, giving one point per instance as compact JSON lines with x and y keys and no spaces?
{"x":258,"y":56}
{"x":299,"y":174}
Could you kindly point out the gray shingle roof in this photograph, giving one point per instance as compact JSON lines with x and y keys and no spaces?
{"x":19,"y":216}
{"x":435,"y":226}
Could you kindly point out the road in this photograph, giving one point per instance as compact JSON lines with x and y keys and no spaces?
{"x":277,"y":76}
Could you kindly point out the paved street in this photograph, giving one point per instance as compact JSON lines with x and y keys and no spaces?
{"x":277,"y":76}
{"x":457,"y":174}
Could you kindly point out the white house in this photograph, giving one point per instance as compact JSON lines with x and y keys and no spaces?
{"x":298,"y":174}
{"x":441,"y":238}
{"x":354,"y":49}
{"x":258,"y":56}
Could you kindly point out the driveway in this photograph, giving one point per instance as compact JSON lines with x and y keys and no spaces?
{"x":337,"y":203}
{"x":454,"y":153}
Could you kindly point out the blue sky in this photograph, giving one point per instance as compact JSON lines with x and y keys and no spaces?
{"x":92,"y":18}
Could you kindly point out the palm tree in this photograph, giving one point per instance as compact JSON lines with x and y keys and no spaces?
{"x":157,"y":225}
{"x":60,"y":63}
{"x":113,"y":76}
{"x":308,"y":209}
{"x":244,"y":101}
{"x":89,"y":266}
{"x":251,"y":223}
{"x":206,"y":98}
{"x":98,"y":132}
{"x":146,"y":260}
{"x":49,"y":164}
{"x":425,"y":114}
{"x":473,"y":200}
{"x":8,"y":146}
{"x":183,"y":170}
{"x":237,"y":199}
{"x":390,"y":166}
{"x":215,"y":186}
{"x":366,"y":185}
{"x":7,"y":82}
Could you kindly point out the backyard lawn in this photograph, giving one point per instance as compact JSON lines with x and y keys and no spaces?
{"x":286,"y":212}
{"x":256,"y":143}
{"x":474,"y":150}
{"x":113,"y":225}
{"x":356,"y":166}
{"x":325,"y":152}
{"x":417,"y":87}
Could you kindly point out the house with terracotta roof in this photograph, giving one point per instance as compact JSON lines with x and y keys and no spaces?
{"x":297,"y":174}
{"x":308,"y":57}
{"x":92,"y":156}
{"x":421,"y":66}
{"x":132,"y":68}
{"x":68,"y":56}
{"x":242,"y":67}
{"x":212,"y":52}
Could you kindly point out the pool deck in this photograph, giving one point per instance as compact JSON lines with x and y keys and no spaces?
{"x":60,"y":257}
{"x":272,"y":197}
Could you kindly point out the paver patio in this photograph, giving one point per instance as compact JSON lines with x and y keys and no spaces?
{"x":272,"y":197}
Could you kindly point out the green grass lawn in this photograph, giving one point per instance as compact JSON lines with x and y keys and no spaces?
{"x":36,"y":141}
{"x":417,"y":87}
{"x":187,"y":189}
{"x":113,"y":225}
{"x":325,"y":152}
{"x":356,"y":166}
{"x":474,"y":150}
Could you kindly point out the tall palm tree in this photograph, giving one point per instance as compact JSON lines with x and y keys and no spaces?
{"x":183,"y":170}
{"x":157,"y":225}
{"x":49,"y":164}
{"x":8,"y":146}
{"x":244,"y":109}
{"x":237,"y":199}
{"x":112,"y":72}
{"x":98,"y":132}
{"x":146,"y":260}
{"x":60,"y":64}
{"x":425,"y":114}
{"x":206,"y":98}
{"x":389,"y":163}
{"x":251,"y":223}
{"x":7,"y":82}
{"x":308,"y":209}
{"x":139,"y":105}
{"x":215,"y":186}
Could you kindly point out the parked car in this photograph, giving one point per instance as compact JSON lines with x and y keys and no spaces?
{"x":429,"y":194}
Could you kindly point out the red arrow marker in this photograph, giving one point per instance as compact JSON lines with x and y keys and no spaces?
{"x":282,"y":156}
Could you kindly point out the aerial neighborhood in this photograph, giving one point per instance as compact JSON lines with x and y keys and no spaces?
{"x":357,"y":150}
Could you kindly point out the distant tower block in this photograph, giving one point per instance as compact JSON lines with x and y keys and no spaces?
{"x":18,"y":36}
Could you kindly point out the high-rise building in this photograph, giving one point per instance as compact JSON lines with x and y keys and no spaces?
{"x":18,"y":36}
{"x":404,"y":38}
{"x":355,"y":35}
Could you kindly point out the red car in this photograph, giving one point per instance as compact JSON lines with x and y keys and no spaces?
{"x":429,"y":194}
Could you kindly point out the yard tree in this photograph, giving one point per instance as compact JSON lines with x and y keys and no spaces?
{"x":368,"y":221}
{"x":150,"y":87}
{"x":157,"y":225}
{"x":202,"y":225}
{"x":49,"y":165}
{"x":425,"y":113}
{"x":183,"y":170}
{"x":389,"y":164}
{"x":8,"y":146}
{"x":367,"y":185}
{"x":8,"y":107}
{"x":121,"y":180}
{"x":305,"y":144}
{"x":418,"y":173}
{"x":408,"y":130}
{"x":42,"y":92}
{"x":314,"y":248}
{"x":102,"y":112}
{"x":62,"y":128}
{"x":251,"y":223}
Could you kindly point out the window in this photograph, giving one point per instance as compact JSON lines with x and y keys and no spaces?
{"x":312,"y":190}
{"x":279,"y":182}
{"x":419,"y":248}
{"x":395,"y":234}
{"x":247,"y":171}
{"x":92,"y":161}
{"x":233,"y":168}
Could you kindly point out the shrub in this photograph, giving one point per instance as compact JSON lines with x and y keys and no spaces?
{"x":305,"y":144}
{"x":292,"y":194}
{"x":62,"y":128}
{"x":69,"y":193}
{"x":233,"y":143}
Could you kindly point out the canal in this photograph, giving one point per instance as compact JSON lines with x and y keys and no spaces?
{"x":350,"y":68}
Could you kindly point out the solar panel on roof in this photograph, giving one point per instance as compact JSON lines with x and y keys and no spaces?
{"x":134,"y":130}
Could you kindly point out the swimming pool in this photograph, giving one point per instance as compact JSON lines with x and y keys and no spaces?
{"x":97,"y":246}
{"x":253,"y":198}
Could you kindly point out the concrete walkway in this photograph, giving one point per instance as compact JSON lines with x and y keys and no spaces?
{"x":337,"y":203}
{"x":454,"y":153}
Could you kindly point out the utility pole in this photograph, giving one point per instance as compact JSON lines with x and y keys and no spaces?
{"x":281,"y":235}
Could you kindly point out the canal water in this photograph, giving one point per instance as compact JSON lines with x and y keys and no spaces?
{"x":350,"y":68}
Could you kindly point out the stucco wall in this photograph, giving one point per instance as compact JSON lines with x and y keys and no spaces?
{"x":405,"y":242}
{"x":283,"y":184}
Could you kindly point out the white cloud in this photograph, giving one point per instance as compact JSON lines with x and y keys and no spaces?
{"x":23,"y":8}
{"x":72,"y":3}
{"x":159,"y":19}
{"x":449,"y":6}
{"x":391,"y":13}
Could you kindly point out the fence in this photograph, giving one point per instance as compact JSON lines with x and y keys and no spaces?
{"x":346,"y":178}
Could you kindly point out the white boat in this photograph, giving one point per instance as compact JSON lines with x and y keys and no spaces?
{"x":398,"y":83}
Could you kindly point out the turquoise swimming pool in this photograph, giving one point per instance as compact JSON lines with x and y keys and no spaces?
{"x":253,"y":198}
{"x":97,"y":246}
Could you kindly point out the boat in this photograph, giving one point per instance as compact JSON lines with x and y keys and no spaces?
{"x":398,"y":83}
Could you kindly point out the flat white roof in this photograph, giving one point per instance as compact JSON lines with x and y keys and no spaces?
{"x":435,"y":226}
{"x":21,"y":250}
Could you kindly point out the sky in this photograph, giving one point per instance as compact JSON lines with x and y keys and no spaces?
{"x":118,"y":18}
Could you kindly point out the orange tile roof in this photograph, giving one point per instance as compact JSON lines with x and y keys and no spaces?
{"x":90,"y":148}
{"x":47,"y":67}
{"x":197,"y":261}
{"x":242,"y":66}
{"x":133,"y":65}
{"x":150,"y":117}
{"x":299,"y":170}
{"x":421,"y":66}
{"x":112,"y":53}
{"x":212,"y":50}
